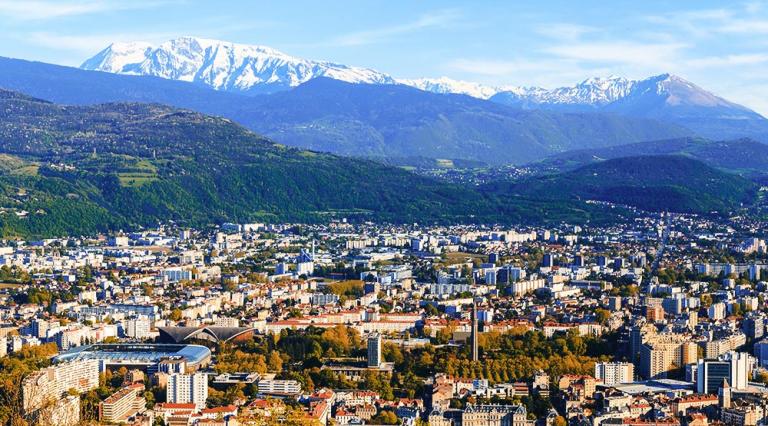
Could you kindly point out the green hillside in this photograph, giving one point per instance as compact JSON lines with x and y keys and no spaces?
{"x":654,"y":183}
{"x":78,"y":169}
{"x":744,"y":156}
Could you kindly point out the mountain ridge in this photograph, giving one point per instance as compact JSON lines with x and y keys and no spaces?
{"x":223,"y":65}
{"x":353,"y":119}
{"x":743,"y":156}
{"x":254,"y":69}
{"x":238,"y":67}
{"x":648,"y":182}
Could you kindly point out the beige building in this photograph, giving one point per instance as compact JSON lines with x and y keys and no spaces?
{"x":49,"y":384}
{"x":718,"y":347}
{"x":741,"y":416}
{"x":662,"y":353}
{"x":123,"y":404}
{"x":495,"y":415}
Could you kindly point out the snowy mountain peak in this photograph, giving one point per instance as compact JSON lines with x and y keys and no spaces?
{"x":254,"y":69}
{"x":223,"y":65}
{"x":446,"y":85}
{"x":601,"y":91}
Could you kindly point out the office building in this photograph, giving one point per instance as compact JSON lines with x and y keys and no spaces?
{"x":374,"y":350}
{"x":710,"y":374}
{"x":735,"y":367}
{"x":761,"y":353}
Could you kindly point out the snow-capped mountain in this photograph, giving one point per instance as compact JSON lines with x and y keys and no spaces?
{"x":593,"y":92}
{"x":445,"y":85}
{"x":223,"y":65}
{"x":646,"y":97}
{"x":251,"y":69}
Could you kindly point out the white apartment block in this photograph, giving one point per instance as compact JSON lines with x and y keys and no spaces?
{"x":187,"y":388}
{"x":279,"y":387}
{"x":613,"y":373}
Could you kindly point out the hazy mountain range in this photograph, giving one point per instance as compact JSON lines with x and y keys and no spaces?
{"x":372,"y":120}
{"x":250,"y":70}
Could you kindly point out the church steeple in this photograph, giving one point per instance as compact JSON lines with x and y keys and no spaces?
{"x":724,"y":395}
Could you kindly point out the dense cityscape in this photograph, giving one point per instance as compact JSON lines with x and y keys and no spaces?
{"x":657,"y":321}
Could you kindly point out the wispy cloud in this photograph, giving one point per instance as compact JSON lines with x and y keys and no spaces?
{"x":436,"y":19}
{"x":565,"y":31}
{"x":498,"y":68}
{"x":728,"y":60}
{"x":745,"y":18}
{"x":619,"y":52}
{"x":30,"y":10}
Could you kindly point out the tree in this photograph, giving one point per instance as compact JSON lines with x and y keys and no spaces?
{"x":385,"y":417}
{"x":175,"y":314}
{"x":602,"y":315}
{"x":275,"y":362}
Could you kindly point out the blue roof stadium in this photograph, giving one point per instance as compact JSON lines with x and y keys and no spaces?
{"x":136,"y":353}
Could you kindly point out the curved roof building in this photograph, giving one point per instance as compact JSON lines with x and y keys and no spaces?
{"x":213,"y":334}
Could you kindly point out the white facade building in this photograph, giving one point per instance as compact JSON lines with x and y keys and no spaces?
{"x":187,"y":388}
{"x":613,"y":373}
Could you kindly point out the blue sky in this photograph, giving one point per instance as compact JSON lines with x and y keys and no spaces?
{"x":722,"y":46}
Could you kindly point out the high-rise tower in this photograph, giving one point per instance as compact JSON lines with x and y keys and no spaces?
{"x":374,"y":350}
{"x":475,"y":351}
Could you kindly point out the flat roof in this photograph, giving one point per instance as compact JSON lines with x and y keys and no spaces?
{"x":135,"y":353}
{"x":654,"y":386}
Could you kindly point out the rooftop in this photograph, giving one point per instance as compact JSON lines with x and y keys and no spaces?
{"x":135,"y":353}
